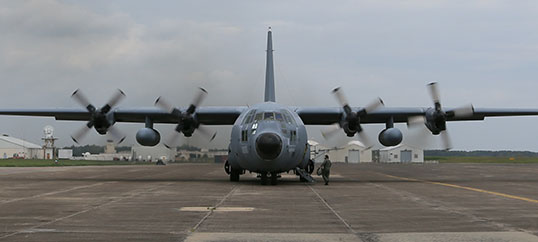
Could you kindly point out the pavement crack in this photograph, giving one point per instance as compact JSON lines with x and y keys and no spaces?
{"x":439,"y":205}
{"x":348,"y":227}
{"x":125,"y":196}
{"x":210,"y":211}
{"x":53,"y":192}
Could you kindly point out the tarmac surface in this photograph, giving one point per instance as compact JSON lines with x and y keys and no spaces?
{"x":197,"y":202}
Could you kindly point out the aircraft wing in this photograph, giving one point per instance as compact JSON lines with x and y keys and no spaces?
{"x":205,"y":115}
{"x":331,"y":115}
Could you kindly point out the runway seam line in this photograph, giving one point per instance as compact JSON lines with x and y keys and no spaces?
{"x":465,"y":188}
{"x":210,"y":212}
{"x":52,"y":193}
{"x":83,"y":211}
{"x":349,"y":228}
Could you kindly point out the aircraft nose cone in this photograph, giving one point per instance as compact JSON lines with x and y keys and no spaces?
{"x":268,"y":146}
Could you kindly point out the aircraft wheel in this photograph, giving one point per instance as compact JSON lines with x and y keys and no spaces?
{"x":264,"y":178}
{"x":310,"y":167}
{"x":234,"y":175}
{"x":274,"y":177}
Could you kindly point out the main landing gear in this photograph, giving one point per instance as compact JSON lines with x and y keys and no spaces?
{"x":234,"y":173}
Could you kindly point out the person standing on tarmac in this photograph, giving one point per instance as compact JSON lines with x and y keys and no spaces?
{"x":326,"y":169}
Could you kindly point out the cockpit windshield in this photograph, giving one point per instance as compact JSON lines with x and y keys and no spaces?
{"x":269,"y":116}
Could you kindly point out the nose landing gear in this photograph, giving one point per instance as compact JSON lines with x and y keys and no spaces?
{"x":273,"y":178}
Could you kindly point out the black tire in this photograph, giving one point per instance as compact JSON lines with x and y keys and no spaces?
{"x":234,"y":175}
{"x":227,"y":167}
{"x":274,"y":178}
{"x":263,"y":177}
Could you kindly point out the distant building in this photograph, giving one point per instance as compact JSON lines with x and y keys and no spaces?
{"x":11,"y":147}
{"x":353,"y":152}
{"x":65,"y":153}
{"x":219,"y":156}
{"x":110,"y":147}
{"x":399,"y":154}
{"x":144,"y":153}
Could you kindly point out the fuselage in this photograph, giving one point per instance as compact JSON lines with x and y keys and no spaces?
{"x":268,"y":138}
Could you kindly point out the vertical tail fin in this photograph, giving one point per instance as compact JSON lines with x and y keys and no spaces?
{"x":269,"y":72}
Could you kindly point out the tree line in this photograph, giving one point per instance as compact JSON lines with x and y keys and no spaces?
{"x":488,"y":153}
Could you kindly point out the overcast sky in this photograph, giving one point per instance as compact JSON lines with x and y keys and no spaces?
{"x":481,"y":52}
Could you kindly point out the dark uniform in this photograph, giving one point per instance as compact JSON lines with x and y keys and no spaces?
{"x":326,"y":169}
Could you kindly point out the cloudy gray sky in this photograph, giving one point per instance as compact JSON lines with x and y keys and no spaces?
{"x":481,"y":52}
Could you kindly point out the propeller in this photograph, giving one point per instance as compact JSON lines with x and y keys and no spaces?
{"x":350,"y":123}
{"x":187,"y":121}
{"x":100,"y":119}
{"x":435,"y":118}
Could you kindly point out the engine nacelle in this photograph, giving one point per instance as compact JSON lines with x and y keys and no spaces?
{"x":148,"y":137}
{"x":390,"y":137}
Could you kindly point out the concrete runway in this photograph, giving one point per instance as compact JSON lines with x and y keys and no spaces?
{"x":196,"y":202}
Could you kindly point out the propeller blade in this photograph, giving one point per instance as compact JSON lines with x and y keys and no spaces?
{"x":82,"y":100}
{"x":416,"y":121}
{"x":171,"y":141}
{"x":365,"y":139}
{"x":116,"y":134}
{"x":164,"y":105}
{"x":434,"y":92}
{"x":202,"y":93}
{"x":116,"y":98}
{"x":339,"y":94}
{"x":375,"y":104}
{"x":82,"y":132}
{"x":463,"y":111}
{"x":207,"y":132}
{"x":330,"y":131}
{"x":445,"y":139}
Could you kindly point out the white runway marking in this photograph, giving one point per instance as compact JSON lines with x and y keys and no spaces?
{"x":214,"y":209}
{"x":383,"y":237}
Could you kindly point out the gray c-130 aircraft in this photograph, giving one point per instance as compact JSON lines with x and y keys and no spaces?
{"x":266,"y":138}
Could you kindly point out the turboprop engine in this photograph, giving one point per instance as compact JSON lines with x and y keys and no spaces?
{"x":390,"y":137}
{"x":148,"y":137}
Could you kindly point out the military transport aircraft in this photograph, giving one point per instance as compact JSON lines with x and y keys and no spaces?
{"x":266,"y":138}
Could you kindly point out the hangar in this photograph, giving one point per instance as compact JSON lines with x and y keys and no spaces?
{"x":399,"y":154}
{"x":11,"y":147}
{"x":353,"y":152}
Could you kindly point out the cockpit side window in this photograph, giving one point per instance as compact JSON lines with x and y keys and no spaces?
{"x":279,"y":117}
{"x":249,"y":117}
{"x":288,"y":117}
{"x":258,"y":117}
